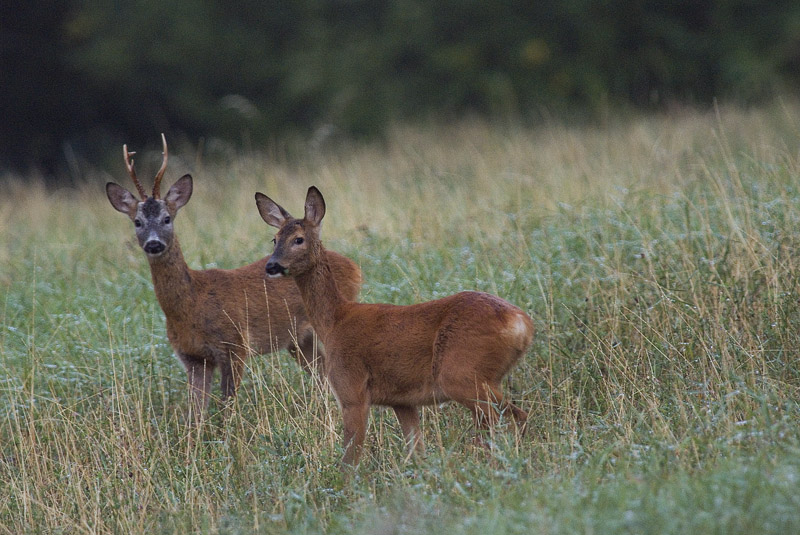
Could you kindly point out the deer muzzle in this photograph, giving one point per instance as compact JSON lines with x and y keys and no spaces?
{"x":274,"y":269}
{"x":154,"y":247}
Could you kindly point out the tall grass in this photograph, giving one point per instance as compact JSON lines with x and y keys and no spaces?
{"x":656,"y":254}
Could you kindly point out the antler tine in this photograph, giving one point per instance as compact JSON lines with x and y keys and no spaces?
{"x":131,"y":171}
{"x":160,"y":174}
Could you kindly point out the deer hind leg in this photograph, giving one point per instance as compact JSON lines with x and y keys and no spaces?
{"x":485,"y":408}
{"x":492,"y":405}
{"x":519,"y":415}
{"x":476,"y":385}
{"x":485,"y":402}
{"x":409,"y":422}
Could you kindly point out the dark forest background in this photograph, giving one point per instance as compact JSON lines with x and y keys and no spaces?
{"x":80,"y":77}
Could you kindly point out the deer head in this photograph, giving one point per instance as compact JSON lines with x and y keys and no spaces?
{"x":297,"y":243}
{"x":152,"y":216}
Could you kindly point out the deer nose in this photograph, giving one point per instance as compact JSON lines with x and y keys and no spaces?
{"x":274,"y":269}
{"x":154,"y":247}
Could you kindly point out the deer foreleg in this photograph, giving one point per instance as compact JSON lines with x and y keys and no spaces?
{"x":199,"y":374}
{"x":355,"y":430}
{"x":231,"y":370}
{"x":307,"y":352}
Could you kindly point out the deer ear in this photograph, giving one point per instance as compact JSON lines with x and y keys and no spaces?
{"x":315,"y":206}
{"x":180,"y":193}
{"x":271,"y":212}
{"x":122,"y":199}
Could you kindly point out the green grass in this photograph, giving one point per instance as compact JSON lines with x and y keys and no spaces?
{"x":657,"y":255}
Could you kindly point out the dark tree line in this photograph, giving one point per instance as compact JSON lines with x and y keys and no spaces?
{"x":79,"y":76}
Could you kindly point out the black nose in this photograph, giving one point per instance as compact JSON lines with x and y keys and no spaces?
{"x":154,"y":247}
{"x":274,"y":269}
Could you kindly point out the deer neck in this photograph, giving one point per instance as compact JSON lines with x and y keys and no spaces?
{"x":321,"y":295}
{"x":172,"y":281}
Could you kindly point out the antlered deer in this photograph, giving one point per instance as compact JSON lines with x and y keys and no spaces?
{"x":455,"y":348}
{"x":216,"y":317}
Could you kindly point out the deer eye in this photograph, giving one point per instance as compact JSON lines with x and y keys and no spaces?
{"x":274,"y":241}
{"x":167,"y":220}
{"x":298,"y":241}
{"x":137,"y":223}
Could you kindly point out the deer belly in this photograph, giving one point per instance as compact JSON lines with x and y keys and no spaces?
{"x":392,"y":390}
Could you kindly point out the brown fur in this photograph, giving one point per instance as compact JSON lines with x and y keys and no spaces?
{"x":455,"y":348}
{"x":217,"y":317}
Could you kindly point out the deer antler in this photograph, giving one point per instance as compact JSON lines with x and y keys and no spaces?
{"x":131,"y":171}
{"x":160,"y":174}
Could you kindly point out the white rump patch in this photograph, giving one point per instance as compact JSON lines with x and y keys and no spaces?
{"x":517,"y":329}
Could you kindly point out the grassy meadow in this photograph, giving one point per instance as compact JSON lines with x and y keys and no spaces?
{"x":657,"y":255}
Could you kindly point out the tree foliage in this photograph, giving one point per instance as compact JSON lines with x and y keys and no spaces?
{"x":87,"y":74}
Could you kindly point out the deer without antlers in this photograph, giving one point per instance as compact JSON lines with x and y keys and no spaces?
{"x":455,"y":348}
{"x":217,"y":317}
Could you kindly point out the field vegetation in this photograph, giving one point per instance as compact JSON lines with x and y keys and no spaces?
{"x":657,"y":255}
